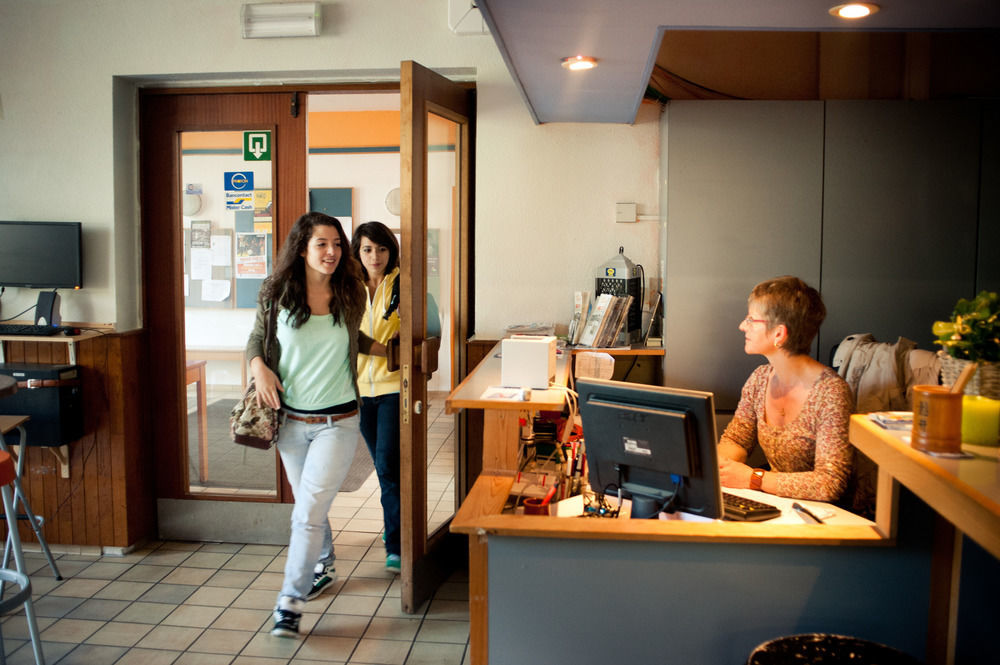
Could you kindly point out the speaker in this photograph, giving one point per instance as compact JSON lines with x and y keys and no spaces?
{"x":51,"y":395}
{"x":47,"y":309}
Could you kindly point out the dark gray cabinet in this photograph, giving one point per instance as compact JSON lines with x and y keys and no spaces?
{"x":876,"y":203}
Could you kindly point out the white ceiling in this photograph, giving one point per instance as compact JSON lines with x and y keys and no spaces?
{"x":625,"y":35}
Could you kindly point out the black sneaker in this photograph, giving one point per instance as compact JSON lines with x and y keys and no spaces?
{"x":286,"y":619}
{"x":323,"y":579}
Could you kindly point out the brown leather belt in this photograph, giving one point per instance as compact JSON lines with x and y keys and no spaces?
{"x":31,"y":384}
{"x":316,"y":420}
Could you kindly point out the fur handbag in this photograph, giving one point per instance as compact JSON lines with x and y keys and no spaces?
{"x":252,"y":424}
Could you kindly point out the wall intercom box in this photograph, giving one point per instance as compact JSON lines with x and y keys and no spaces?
{"x":528,"y":361}
{"x":51,"y":396}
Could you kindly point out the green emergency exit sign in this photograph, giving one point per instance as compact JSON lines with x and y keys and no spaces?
{"x":257,"y":146}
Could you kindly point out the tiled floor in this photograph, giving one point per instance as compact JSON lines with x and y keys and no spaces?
{"x":210,"y":604}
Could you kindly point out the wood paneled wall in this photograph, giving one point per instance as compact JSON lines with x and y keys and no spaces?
{"x":109,"y":498}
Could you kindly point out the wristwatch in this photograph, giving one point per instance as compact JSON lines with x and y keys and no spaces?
{"x":756,"y":478}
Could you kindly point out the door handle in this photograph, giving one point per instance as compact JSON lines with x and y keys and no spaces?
{"x":425,"y":355}
{"x":429,"y":355}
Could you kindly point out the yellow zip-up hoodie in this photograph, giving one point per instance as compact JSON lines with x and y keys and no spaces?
{"x":373,"y":377}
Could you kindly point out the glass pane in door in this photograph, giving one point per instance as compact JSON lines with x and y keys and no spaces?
{"x":442,"y":225}
{"x":228,"y":240}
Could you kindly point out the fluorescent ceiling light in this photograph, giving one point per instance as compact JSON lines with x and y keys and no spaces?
{"x":280,"y":19}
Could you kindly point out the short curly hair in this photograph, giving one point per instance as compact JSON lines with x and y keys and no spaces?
{"x":791,"y":302}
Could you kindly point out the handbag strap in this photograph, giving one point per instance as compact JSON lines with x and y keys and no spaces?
{"x":272,"y":324}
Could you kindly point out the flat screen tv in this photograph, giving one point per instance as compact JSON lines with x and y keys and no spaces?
{"x":41,"y":255}
{"x":654,"y":444}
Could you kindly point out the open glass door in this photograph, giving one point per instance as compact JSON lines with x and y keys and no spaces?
{"x":435,"y":151}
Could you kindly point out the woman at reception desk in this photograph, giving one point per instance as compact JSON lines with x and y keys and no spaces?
{"x":794,"y":407}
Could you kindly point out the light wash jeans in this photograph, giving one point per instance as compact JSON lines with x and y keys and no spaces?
{"x":316,"y":459}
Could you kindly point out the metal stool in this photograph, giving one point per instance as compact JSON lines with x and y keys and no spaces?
{"x":9,"y":424}
{"x":8,"y":479}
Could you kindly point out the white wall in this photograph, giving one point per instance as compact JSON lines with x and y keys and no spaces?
{"x":545,"y":194}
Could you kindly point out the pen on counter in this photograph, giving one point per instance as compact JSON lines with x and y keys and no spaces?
{"x":807,"y":514}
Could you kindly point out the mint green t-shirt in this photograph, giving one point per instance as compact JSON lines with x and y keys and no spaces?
{"x":314,"y":366}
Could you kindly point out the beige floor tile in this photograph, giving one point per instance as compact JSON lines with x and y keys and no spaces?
{"x":145,"y":573}
{"x":258,"y":660}
{"x":191,"y":658}
{"x":216,"y":596}
{"x":425,"y":653}
{"x":434,"y":630}
{"x":196,"y":616}
{"x":381,"y":652}
{"x":241,"y":619}
{"x":166,"y":557}
{"x":169,"y":637}
{"x":269,"y":646}
{"x":320,"y":647}
{"x":373,"y":568}
{"x":255,"y":599}
{"x":213,"y":560}
{"x":77,"y":588}
{"x":148,"y":657}
{"x":390,"y":628}
{"x":266,"y":550}
{"x":91,"y":654}
{"x":342,"y":625}
{"x":449,"y":609}
{"x":119,"y":634}
{"x":230,"y":578}
{"x":363,"y":605}
{"x":350,"y":552}
{"x":268,"y":580}
{"x":255,"y":562}
{"x":119,"y":590}
{"x":391,"y":607}
{"x":143,"y":612}
{"x":366,"y":586}
{"x":214,"y":640}
{"x":186,"y":575}
{"x":232,"y":548}
{"x":102,"y":570}
{"x":183,"y":545}
{"x":70,"y":630}
{"x":98,"y":609}
{"x":16,"y":627}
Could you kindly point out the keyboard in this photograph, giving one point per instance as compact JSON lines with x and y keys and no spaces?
{"x":747,"y":510}
{"x":28,"y":329}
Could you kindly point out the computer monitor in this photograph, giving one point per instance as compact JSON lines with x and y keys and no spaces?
{"x":41,"y":255}
{"x":656,"y":444}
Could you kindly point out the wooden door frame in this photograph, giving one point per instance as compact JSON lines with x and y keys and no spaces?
{"x":163,"y":114}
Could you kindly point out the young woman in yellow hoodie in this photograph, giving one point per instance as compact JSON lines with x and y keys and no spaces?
{"x":375,"y":247}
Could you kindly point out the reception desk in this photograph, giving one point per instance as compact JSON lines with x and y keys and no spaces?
{"x":582,"y":590}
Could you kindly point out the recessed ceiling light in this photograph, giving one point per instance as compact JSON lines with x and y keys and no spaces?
{"x":579,"y":62}
{"x":854,"y":10}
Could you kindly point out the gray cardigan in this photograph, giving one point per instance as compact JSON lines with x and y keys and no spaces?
{"x":263,"y":342}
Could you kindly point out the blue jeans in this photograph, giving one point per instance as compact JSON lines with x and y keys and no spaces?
{"x":316,"y":458}
{"x":380,"y":427}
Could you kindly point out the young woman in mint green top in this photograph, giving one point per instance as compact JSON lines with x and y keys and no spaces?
{"x":311,"y":375}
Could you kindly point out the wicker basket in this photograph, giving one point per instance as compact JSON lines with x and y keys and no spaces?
{"x":985,"y":382}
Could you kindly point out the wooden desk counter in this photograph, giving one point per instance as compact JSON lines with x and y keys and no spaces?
{"x":966,"y":492}
{"x":501,"y":428}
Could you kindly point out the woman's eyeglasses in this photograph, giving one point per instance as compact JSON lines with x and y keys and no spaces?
{"x":750,"y":319}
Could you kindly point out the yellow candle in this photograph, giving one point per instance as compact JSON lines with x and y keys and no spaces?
{"x":980,"y":420}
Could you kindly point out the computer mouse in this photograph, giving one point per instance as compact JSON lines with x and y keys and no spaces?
{"x":70,"y":332}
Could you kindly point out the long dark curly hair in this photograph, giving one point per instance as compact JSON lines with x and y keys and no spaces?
{"x":286,"y":286}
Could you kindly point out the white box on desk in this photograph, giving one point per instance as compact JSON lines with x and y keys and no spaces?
{"x":528,"y":360}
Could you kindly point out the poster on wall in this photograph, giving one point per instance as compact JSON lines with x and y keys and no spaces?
{"x":238,"y":186}
{"x":251,"y":258}
{"x":201,"y":234}
{"x":263,"y":206}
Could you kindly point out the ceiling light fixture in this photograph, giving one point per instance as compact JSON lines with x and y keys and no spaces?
{"x":854,"y":10}
{"x":280,"y":19}
{"x":579,"y":63}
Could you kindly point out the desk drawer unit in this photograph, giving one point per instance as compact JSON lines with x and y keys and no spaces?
{"x":51,"y":395}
